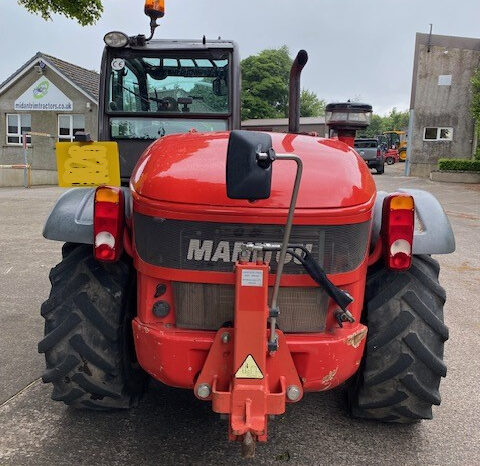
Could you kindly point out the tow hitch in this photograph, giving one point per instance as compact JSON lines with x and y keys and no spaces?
{"x":240,"y":376}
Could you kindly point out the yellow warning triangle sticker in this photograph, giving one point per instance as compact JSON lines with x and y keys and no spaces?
{"x":249,"y":369}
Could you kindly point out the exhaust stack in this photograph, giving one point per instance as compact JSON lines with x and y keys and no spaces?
{"x":294,"y":97}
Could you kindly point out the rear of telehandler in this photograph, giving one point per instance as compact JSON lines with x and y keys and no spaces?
{"x":223,"y":269}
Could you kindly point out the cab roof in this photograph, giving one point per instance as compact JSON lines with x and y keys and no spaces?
{"x":185,"y":44}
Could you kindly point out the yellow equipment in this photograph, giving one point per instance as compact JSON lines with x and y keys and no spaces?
{"x":397,"y":140}
{"x":81,"y":164}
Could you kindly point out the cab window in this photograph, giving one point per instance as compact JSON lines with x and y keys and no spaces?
{"x":168,"y":85}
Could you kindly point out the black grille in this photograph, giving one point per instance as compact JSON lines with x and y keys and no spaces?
{"x":209,"y":246}
{"x":202,"y":306}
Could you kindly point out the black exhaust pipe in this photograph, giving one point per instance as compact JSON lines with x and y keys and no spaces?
{"x":294,"y":97}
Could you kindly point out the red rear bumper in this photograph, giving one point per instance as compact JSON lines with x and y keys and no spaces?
{"x":176,"y":357}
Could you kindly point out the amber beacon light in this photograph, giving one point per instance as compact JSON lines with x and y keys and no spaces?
{"x":155,"y":8}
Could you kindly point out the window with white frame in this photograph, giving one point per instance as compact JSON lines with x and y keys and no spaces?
{"x":17,"y":124}
{"x":438,"y":134}
{"x":69,"y":125}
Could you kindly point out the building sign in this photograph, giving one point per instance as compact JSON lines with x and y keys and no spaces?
{"x":44,"y":96}
{"x":445,"y":80}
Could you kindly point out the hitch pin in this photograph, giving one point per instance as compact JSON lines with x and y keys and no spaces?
{"x":248,"y":445}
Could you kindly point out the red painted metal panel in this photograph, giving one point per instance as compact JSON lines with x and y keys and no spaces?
{"x":176,"y":357}
{"x":190,"y":169}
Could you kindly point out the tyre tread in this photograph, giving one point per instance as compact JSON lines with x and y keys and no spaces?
{"x":86,"y":352}
{"x":403,"y":364}
{"x":83,"y":342}
{"x":61,"y":370}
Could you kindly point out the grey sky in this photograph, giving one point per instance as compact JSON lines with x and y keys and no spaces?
{"x":358,"y":49}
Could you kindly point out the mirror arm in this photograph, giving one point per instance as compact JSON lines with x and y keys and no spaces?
{"x":283,"y":250}
{"x":268,"y":156}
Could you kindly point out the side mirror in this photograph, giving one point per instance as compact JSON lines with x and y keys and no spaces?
{"x":249,"y":165}
{"x":219,"y":88}
{"x":82,"y":136}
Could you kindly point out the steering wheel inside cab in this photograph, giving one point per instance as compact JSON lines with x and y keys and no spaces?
{"x":170,"y":104}
{"x":166,"y":104}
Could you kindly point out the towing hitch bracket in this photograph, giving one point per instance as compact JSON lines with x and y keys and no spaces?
{"x":247,"y":382}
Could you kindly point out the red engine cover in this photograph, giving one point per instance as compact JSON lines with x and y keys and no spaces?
{"x":191,"y":169}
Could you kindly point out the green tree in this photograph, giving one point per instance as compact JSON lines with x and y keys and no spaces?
{"x":476,"y":95}
{"x":376,"y":127}
{"x":265,"y":82}
{"x":476,"y":107}
{"x":86,"y":12}
{"x":310,"y":104}
{"x":203,"y":92}
{"x":394,"y":120}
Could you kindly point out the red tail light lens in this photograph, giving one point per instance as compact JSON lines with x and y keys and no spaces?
{"x":379,"y":153}
{"x":108,"y":223}
{"x":397,"y":230}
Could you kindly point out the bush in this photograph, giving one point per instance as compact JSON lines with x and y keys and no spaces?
{"x":477,"y":154}
{"x":459,"y":164}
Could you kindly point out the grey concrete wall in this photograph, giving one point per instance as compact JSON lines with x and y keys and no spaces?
{"x":455,"y":176}
{"x":441,"y":106}
{"x":10,"y":177}
{"x":42,"y":153}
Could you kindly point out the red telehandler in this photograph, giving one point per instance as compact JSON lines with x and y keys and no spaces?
{"x":251,"y":268}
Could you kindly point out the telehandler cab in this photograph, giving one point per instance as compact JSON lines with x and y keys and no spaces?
{"x":250,"y":267}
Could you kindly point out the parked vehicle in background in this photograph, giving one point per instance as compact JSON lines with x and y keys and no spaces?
{"x":372,"y":152}
{"x":392,"y":156}
{"x":397,"y":140}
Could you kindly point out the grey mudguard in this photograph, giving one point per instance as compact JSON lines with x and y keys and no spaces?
{"x":433,"y":232}
{"x":71,"y":219}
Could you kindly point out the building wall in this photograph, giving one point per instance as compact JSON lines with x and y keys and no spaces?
{"x":437,"y":105}
{"x":304,"y":128}
{"x":41,"y":154}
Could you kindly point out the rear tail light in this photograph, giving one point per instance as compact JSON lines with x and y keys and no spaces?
{"x":108,"y":223}
{"x":397,"y":230}
{"x":379,"y":153}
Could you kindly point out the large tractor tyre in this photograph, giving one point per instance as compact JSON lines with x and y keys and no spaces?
{"x":403,"y":363}
{"x":88,"y":344}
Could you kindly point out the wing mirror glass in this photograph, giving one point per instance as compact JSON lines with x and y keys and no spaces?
{"x":249,"y":165}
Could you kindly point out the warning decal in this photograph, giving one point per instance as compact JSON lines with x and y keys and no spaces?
{"x":249,"y":369}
